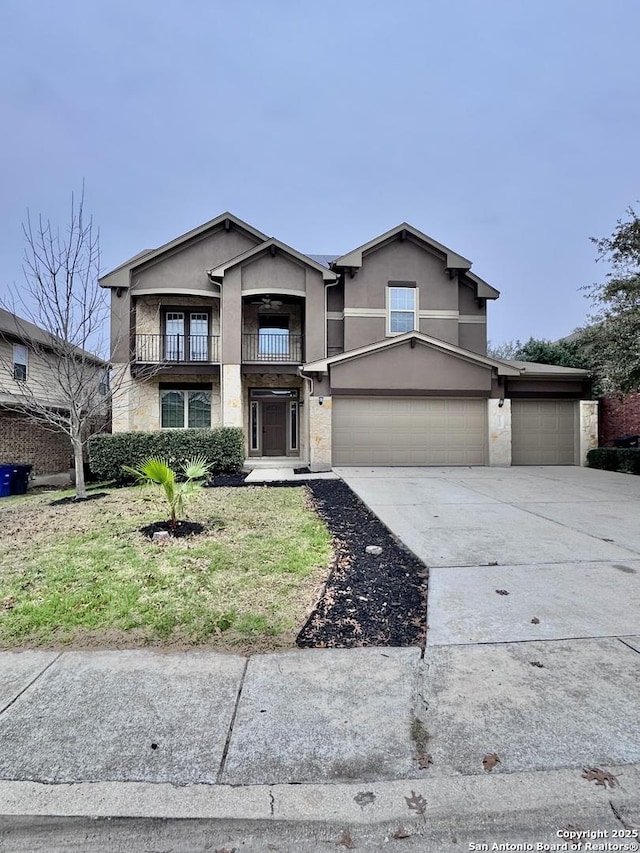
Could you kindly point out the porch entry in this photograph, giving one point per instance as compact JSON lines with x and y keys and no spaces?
{"x":274,"y":425}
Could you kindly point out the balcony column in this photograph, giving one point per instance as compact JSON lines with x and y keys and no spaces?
{"x":231,"y":333}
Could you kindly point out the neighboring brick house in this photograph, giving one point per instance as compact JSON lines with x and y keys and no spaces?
{"x":24,"y":357}
{"x":619,"y":416}
{"x":376,"y":357}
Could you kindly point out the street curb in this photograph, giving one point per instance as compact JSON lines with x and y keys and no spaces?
{"x":360,"y":803}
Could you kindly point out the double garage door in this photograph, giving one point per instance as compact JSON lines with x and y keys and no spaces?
{"x":429,"y":431}
{"x":408,"y":431}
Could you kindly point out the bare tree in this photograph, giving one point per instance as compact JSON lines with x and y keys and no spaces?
{"x":71,"y":384}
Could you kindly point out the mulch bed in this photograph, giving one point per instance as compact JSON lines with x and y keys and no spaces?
{"x":182,"y":529}
{"x":368,"y":600}
{"x":227,"y":480}
{"x":72,"y":499}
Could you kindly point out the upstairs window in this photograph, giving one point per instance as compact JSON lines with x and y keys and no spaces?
{"x":402,"y":309}
{"x":20,"y":360}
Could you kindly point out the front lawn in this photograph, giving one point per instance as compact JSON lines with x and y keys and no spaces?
{"x":83,"y":574}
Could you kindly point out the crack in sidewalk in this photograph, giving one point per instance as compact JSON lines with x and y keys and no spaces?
{"x":619,"y":817}
{"x":231,"y":725}
{"x":31,"y":683}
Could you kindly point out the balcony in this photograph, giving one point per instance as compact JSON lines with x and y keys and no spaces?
{"x":272,"y":346}
{"x":177,"y":349}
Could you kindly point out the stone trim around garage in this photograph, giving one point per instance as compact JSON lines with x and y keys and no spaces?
{"x":319,"y":415}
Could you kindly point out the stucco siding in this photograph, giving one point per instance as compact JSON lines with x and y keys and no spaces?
{"x":401,"y":367}
{"x":473,"y":336}
{"x":360,"y":331}
{"x":271,"y":274}
{"x":186,"y":266}
{"x":401,"y":261}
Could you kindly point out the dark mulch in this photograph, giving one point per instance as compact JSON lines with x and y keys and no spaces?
{"x":227,"y":479}
{"x":182,"y":528}
{"x":72,"y":499}
{"x":367,"y":600}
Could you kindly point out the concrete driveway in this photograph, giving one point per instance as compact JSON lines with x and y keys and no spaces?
{"x":563,"y":542}
{"x":533,"y":610}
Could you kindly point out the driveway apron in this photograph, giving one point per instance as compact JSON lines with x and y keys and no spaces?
{"x":534,"y":594}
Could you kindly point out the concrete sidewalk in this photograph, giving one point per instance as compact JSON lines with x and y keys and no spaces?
{"x":299,"y":747}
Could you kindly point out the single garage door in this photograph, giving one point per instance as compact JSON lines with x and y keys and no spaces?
{"x":543,"y":432}
{"x":408,"y":431}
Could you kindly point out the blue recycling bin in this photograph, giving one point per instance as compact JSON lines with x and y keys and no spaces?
{"x":6,"y":473}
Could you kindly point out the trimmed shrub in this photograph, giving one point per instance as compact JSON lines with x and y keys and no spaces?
{"x":626,"y":460}
{"x":222,"y":448}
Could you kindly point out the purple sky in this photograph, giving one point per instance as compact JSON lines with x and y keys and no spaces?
{"x":506,"y":129}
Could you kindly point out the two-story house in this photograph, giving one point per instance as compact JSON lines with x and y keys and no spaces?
{"x":376,"y":357}
{"x":30,"y":370}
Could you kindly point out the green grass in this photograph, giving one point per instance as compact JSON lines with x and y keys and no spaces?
{"x":84,"y":575}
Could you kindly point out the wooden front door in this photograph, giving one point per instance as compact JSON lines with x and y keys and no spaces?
{"x":274,"y":429}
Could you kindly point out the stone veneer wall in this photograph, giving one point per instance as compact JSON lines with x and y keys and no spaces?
{"x":588,"y":428}
{"x":499,"y":428}
{"x":319,"y":433}
{"x":144,"y":402}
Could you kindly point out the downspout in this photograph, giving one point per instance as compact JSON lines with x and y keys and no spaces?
{"x":326,"y":311}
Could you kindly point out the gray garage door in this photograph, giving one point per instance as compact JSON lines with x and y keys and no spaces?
{"x":408,"y":431}
{"x":543,"y":432}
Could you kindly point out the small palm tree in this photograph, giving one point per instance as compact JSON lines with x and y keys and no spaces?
{"x":156,"y":471}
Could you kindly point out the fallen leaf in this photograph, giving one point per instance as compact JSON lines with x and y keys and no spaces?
{"x":424,"y":760}
{"x":401,"y":832}
{"x":365,"y":798}
{"x":347,"y":841}
{"x":416,"y":803}
{"x":489,"y":761}
{"x":600,"y":777}
{"x":537,"y":663}
{"x":535,"y":621}
{"x":502,"y":592}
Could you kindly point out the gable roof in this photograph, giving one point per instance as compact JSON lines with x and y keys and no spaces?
{"x":454,"y":261}
{"x":277,"y":246}
{"x":150,"y":254}
{"x":482,"y":288}
{"x":19,"y":330}
{"x":504,"y":368}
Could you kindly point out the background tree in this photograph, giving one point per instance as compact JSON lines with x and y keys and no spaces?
{"x":73,"y":388}
{"x":614,"y":335}
{"x":568,"y":352}
{"x":507,"y":349}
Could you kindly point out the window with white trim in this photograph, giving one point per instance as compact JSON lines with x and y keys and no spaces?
{"x":402,"y":309}
{"x":185,"y":409}
{"x":20,"y":361}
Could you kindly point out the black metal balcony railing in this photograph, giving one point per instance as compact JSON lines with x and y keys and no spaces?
{"x":154,"y":349}
{"x":272,"y":346}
